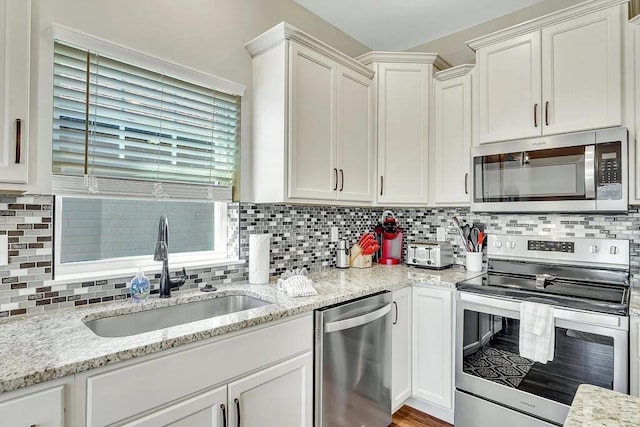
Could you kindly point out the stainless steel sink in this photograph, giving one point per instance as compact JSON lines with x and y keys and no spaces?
{"x":159,"y":318}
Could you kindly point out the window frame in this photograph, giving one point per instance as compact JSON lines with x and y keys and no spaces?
{"x":176,"y":260}
{"x":120,"y":267}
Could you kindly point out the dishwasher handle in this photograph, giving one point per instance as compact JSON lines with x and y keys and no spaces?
{"x":357,"y":321}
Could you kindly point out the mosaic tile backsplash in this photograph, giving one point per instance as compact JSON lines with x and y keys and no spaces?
{"x":300,"y":237}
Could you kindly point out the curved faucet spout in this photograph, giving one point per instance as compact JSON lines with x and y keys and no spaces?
{"x":162,"y":254}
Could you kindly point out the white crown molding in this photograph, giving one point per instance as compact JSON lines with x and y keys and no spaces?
{"x":404,"y":57}
{"x":452,"y":73}
{"x":284,"y":31}
{"x":544,"y":21}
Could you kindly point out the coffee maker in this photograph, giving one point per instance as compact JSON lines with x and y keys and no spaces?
{"x":390,"y":238}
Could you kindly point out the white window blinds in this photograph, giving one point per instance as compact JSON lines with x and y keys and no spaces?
{"x":115,"y":120}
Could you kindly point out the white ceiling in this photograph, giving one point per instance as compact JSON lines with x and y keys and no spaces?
{"x":397,"y":25}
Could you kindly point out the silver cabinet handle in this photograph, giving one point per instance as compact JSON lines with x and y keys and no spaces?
{"x":466,"y":180}
{"x":535,"y":115}
{"x":381,"y":184}
{"x":357,"y":321}
{"x":341,"y":179}
{"x":335,"y":175}
{"x":18,"y":139}
{"x":395,"y":304}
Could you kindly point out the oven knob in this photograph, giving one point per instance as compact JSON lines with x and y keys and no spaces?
{"x":429,"y":262}
{"x":497,"y":244}
{"x":613,"y":250}
{"x":594,"y":249}
{"x":415,"y":261}
{"x":511,"y":244}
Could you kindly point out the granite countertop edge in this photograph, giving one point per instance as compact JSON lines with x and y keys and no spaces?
{"x":43,"y":347}
{"x":594,"y":406}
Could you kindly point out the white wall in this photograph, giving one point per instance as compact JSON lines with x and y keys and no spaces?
{"x":453,"y":47}
{"x":208,"y":35}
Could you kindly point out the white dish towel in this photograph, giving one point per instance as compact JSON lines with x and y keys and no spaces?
{"x":537,"y":332}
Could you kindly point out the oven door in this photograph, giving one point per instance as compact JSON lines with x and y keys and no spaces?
{"x":590,"y":348}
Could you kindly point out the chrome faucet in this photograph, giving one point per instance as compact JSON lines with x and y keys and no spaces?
{"x":162,"y":254}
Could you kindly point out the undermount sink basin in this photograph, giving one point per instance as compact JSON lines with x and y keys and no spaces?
{"x":165,"y":317}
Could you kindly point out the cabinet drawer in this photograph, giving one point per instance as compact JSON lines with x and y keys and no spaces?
{"x":44,"y":409}
{"x":167,"y":378}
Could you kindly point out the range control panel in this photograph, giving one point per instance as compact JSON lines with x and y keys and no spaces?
{"x":550,"y":246}
{"x":567,"y":250}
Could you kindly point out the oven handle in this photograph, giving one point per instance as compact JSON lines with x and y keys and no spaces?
{"x":590,"y":172}
{"x":558,"y":313}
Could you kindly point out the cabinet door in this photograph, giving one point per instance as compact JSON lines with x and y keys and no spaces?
{"x":278,"y":396}
{"x":204,"y":410}
{"x":509,"y":89}
{"x":355,"y":137}
{"x":15,"y":25}
{"x":401,"y":348}
{"x":403,"y":116}
{"x":313,"y":173}
{"x":582,"y":72}
{"x":433,"y":346}
{"x":42,"y":409}
{"x":634,"y":356}
{"x":452,"y":145}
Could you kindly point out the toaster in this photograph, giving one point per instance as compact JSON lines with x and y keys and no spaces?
{"x":429,"y":254}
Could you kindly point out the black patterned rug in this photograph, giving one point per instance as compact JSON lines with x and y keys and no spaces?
{"x":500,"y":366}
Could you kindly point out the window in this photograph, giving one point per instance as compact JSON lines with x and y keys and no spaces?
{"x":130,"y":144}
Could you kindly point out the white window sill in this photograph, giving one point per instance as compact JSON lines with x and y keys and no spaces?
{"x":129,"y":273}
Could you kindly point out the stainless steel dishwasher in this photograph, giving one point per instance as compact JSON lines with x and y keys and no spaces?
{"x":353,"y":363}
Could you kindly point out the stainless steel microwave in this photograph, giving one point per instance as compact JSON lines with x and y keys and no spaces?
{"x":577,"y":172}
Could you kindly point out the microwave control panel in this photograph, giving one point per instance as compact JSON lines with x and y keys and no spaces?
{"x":609,"y":169}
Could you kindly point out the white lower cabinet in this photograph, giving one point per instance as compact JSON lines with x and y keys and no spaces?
{"x":433,"y":349}
{"x":401,"y":348}
{"x":634,"y":356}
{"x":43,"y":408}
{"x":206,"y":409}
{"x":274,"y":397}
{"x":268,"y":369}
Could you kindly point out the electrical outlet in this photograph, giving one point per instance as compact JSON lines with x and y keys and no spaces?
{"x":441,"y":234}
{"x":334,"y":234}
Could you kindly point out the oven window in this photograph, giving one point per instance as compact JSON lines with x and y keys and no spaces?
{"x":491,"y":352}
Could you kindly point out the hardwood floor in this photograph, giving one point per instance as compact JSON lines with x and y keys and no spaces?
{"x":409,"y":417}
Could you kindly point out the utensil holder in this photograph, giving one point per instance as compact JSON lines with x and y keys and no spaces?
{"x":474,"y":261}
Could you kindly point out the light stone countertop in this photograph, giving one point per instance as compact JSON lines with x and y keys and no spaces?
{"x":598,"y":407}
{"x":42,"y":347}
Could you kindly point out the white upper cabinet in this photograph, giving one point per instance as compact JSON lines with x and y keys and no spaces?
{"x":452,"y":136}
{"x":559,"y":73}
{"x":582,"y":72}
{"x":403,"y":90}
{"x":312,"y":121}
{"x":15,"y":26}
{"x":509,"y":89}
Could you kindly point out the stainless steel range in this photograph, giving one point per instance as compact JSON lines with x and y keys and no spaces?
{"x":586,"y":282}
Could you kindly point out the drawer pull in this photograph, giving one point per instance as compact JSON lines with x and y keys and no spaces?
{"x":18,"y":139}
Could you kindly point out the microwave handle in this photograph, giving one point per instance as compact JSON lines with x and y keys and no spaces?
{"x":590,"y":172}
